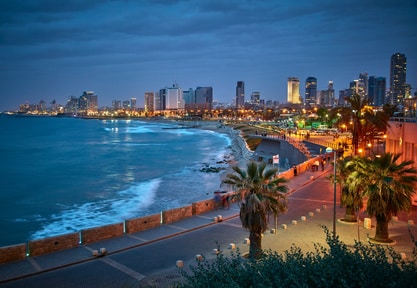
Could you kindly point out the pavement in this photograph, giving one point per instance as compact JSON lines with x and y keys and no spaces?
{"x":150,"y":258}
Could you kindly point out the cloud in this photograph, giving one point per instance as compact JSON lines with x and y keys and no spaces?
{"x":222,"y":40}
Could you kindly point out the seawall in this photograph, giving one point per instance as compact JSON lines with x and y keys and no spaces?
{"x":66,"y":241}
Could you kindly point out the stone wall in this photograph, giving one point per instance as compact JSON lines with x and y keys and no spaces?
{"x":143,"y":223}
{"x":52,"y":244}
{"x":174,"y":215}
{"x":12,"y":253}
{"x":203,"y":206}
{"x":101,"y":233}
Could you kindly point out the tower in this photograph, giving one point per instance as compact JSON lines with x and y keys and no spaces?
{"x":398,"y":69}
{"x":376,"y":90}
{"x":330,"y":93}
{"x":311,"y":92}
{"x":240,"y":94}
{"x":149,"y":102}
{"x":204,"y":97}
{"x":293,"y":90}
{"x":133,"y":103}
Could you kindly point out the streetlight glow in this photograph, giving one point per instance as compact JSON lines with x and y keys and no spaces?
{"x":328,"y":150}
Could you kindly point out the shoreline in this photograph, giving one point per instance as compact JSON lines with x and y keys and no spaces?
{"x":239,"y":155}
{"x":235,"y":153}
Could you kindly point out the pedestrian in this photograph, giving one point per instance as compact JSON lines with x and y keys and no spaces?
{"x":217,"y":199}
{"x":225,"y":200}
{"x":294,"y":169}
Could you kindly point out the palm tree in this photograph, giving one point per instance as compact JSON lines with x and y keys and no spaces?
{"x":389,"y":189}
{"x":351,"y":196}
{"x":357,"y":104}
{"x":366,"y":123}
{"x":260,"y":192}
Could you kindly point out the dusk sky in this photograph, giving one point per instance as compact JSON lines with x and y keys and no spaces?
{"x":120,"y":49}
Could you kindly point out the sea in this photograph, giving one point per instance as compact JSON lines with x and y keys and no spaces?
{"x":62,"y":175}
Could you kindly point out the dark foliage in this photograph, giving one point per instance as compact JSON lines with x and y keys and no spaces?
{"x":334,"y":266}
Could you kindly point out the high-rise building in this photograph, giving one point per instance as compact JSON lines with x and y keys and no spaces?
{"x":311,"y":92}
{"x":204,"y":97}
{"x":397,"y":81}
{"x":376,"y":90}
{"x":363,"y":80}
{"x":255,"y":98}
{"x":160,"y":99}
{"x":126,"y":104}
{"x":240,"y":94}
{"x":88,"y":101}
{"x":344,"y":95}
{"x":149,"y":102}
{"x":358,"y":87}
{"x":116,"y":104}
{"x":330,"y":93}
{"x":188,"y":96}
{"x":171,"y":98}
{"x":294,"y":90}
{"x":133,"y":103}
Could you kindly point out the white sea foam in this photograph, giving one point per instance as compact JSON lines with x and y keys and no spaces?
{"x":127,"y":205}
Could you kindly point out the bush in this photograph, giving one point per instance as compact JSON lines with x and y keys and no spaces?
{"x":335,"y":266}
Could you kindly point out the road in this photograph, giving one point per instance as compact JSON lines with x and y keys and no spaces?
{"x":153,"y":264}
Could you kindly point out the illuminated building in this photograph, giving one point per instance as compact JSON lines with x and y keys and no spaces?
{"x":293,"y":90}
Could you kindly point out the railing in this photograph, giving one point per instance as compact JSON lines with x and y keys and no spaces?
{"x":324,"y":143}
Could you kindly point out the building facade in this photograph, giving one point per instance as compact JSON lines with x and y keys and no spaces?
{"x":133,"y":104}
{"x":149,"y":102}
{"x":311,"y":92}
{"x":293,"y":90}
{"x":171,"y":98}
{"x":204,"y":97}
{"x":255,"y":98}
{"x":240,"y":94}
{"x":376,"y":90}
{"x":398,"y":72}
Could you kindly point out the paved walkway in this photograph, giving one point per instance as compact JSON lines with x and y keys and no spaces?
{"x":304,"y":233}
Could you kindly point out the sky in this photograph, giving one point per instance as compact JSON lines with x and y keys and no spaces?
{"x":51,"y":49}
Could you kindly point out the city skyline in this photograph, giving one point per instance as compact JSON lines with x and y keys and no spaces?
{"x":122,"y":49}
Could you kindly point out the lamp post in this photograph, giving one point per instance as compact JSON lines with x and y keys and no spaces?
{"x":328,"y":150}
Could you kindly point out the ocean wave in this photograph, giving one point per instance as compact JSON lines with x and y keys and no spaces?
{"x":130,"y":202}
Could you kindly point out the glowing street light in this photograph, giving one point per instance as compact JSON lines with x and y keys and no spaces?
{"x":328,"y":150}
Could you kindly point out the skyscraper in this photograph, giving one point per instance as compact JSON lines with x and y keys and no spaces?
{"x":363,"y":82}
{"x":255,"y":98}
{"x":397,"y":81}
{"x":133,"y":103}
{"x":149,"y":101}
{"x":330,"y":93}
{"x":293,"y":90}
{"x":204,"y":97}
{"x":240,"y":94}
{"x":174,"y":99}
{"x":376,"y":90}
{"x":88,"y":100}
{"x":311,"y":92}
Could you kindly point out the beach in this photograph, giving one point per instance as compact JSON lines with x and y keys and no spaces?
{"x":240,"y":152}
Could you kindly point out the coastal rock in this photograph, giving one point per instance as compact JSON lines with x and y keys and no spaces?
{"x":211,"y":169}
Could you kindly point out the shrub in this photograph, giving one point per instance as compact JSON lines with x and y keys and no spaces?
{"x":332,"y":266}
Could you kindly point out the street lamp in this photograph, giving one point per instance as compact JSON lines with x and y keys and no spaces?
{"x":328,"y":150}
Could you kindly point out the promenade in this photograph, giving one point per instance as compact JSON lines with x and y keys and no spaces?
{"x":149,"y":258}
